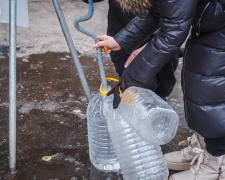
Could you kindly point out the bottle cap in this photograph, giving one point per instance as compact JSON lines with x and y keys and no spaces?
{"x":105,"y":91}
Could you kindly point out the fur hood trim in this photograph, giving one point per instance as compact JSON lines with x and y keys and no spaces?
{"x":134,"y":6}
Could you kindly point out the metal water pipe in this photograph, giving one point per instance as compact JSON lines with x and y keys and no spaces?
{"x":72,"y":48}
{"x":96,"y":39}
{"x":12,"y":85}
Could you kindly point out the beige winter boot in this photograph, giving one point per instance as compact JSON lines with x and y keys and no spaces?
{"x":222,"y":177}
{"x":180,"y":160}
{"x":206,"y":168}
{"x":222,"y":170}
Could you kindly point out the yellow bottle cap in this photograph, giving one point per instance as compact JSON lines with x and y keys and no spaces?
{"x":104,"y":92}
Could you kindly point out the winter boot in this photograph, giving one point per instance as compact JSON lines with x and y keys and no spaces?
{"x":180,"y":160}
{"x":222,"y":177}
{"x":222,"y":171}
{"x":206,"y":168}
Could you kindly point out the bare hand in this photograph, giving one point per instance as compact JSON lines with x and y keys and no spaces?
{"x":133,"y":55}
{"x":108,"y":42}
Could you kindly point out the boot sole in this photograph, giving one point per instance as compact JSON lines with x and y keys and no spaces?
{"x":178,"y":166}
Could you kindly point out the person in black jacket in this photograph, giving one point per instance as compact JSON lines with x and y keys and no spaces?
{"x":203,"y":75}
{"x":118,"y":17}
{"x":117,"y":20}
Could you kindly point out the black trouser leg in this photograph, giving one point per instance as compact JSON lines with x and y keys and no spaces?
{"x":119,"y":58}
{"x":215,"y":146}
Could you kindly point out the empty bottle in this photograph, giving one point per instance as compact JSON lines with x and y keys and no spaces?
{"x":138,"y":159}
{"x":101,"y":150}
{"x":151,"y":117}
{"x":142,"y":122}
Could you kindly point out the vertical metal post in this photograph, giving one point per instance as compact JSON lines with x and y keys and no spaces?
{"x":12,"y":85}
{"x":72,"y":48}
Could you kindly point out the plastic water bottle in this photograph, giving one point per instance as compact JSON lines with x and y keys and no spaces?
{"x":151,"y":117}
{"x":101,"y":151}
{"x":138,"y":159}
{"x":142,"y":122}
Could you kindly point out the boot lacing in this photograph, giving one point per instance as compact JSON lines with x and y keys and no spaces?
{"x":192,"y":141}
{"x":201,"y":156}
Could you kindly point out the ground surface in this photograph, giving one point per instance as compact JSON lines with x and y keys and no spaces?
{"x":51,"y":105}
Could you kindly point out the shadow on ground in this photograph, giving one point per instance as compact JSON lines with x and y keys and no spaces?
{"x":51,"y":117}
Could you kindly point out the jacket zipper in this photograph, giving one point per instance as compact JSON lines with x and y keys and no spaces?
{"x":199,"y":20}
{"x":185,"y":106}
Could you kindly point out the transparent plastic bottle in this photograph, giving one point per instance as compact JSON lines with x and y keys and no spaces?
{"x":138,"y":159}
{"x":101,"y":150}
{"x":151,"y":117}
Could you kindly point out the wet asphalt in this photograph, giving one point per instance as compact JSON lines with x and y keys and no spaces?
{"x":51,"y":117}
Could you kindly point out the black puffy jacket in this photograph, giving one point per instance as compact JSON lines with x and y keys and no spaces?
{"x":163,"y":82}
{"x":117,"y":20}
{"x":203,"y":72}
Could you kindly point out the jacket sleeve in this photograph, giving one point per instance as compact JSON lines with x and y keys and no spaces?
{"x":176,"y":17}
{"x":86,"y":1}
{"x":138,"y":31}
